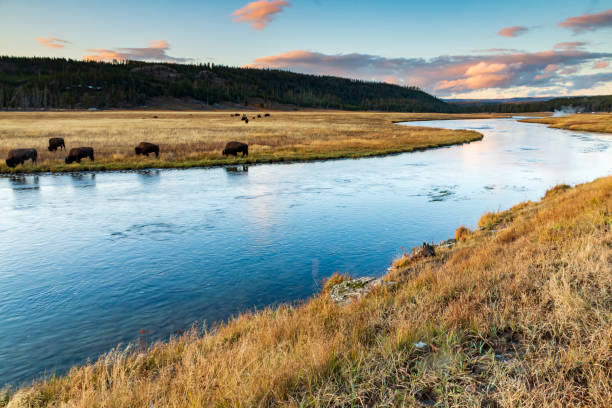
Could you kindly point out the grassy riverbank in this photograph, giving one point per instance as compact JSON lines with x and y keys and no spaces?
{"x":194,"y":139}
{"x":587,"y":122}
{"x":517,"y":313}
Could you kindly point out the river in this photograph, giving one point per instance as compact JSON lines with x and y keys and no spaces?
{"x":88,"y":260}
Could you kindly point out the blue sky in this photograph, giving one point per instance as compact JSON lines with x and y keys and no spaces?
{"x":428,"y":43}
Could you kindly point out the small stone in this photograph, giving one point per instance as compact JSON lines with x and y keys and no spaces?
{"x":353,"y":289}
{"x":420,"y":345}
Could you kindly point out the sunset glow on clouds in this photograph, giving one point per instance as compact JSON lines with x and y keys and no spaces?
{"x":512,"y":31}
{"x":601,"y":65}
{"x":259,"y":13}
{"x":450,"y":48}
{"x":52,"y":42}
{"x":588,"y":22}
{"x":155,"y":52}
{"x":451,"y":75}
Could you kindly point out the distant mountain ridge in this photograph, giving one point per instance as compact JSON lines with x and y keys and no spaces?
{"x":526,"y":99}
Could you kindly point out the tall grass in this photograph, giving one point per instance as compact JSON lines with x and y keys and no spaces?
{"x":587,"y":122}
{"x":189,"y":139}
{"x":518,"y":314}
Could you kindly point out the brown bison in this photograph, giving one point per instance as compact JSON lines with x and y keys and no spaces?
{"x":18,"y":156}
{"x":267,"y":115}
{"x":78,"y":153}
{"x":144,"y":148}
{"x":233,"y":148}
{"x":56,"y":143}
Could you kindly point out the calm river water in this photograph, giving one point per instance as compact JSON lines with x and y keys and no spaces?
{"x":88,"y":260}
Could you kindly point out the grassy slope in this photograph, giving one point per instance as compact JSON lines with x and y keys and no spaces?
{"x":194,"y":139}
{"x":517,"y":314}
{"x":587,"y":122}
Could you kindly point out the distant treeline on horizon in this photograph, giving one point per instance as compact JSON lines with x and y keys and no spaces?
{"x":57,"y":83}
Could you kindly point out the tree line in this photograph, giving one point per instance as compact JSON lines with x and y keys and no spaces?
{"x":49,"y":83}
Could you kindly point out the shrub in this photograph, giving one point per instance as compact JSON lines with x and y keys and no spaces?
{"x":462,"y":233}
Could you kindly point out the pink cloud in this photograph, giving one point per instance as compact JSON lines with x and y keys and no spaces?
{"x":259,"y":13}
{"x":512,"y":31}
{"x":588,"y":22}
{"x":52,"y":42}
{"x":447,"y":74}
{"x":569,"y":45}
{"x":156,"y":51}
{"x":601,"y":65}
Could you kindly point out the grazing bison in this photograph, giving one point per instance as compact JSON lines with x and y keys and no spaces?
{"x":244,"y":118}
{"x":267,"y":115}
{"x":18,"y":156}
{"x":233,"y":148}
{"x":144,"y":148}
{"x":78,"y":153}
{"x":259,"y":116}
{"x":56,"y":143}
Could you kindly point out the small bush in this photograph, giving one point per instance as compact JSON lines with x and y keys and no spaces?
{"x":489,"y":220}
{"x":462,"y":233}
{"x":556,"y":190}
{"x":333,"y":280}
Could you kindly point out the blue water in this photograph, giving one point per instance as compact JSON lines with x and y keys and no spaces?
{"x":88,"y":260}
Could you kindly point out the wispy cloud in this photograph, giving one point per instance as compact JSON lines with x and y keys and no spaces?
{"x":259,"y":13}
{"x":156,"y":51}
{"x":601,"y":65}
{"x":573,"y":45}
{"x":588,"y":22}
{"x":497,"y":50}
{"x":514,"y":31}
{"x":445,"y":75}
{"x":52,"y":42}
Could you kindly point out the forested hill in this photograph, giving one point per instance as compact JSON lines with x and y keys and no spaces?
{"x":30,"y":83}
{"x":599,"y":103}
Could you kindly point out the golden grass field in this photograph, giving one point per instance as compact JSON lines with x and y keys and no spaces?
{"x":190,"y":139}
{"x":517,"y":314}
{"x":601,"y":122}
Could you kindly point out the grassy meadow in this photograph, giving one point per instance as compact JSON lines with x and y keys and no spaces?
{"x":191,"y":139}
{"x":601,"y":122}
{"x":517,"y":313}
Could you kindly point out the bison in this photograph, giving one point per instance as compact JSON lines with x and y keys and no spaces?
{"x":258,"y":116}
{"x":233,"y":148}
{"x":78,"y":153}
{"x":267,"y":115}
{"x":19,"y":156}
{"x":56,"y":143}
{"x":144,"y":148}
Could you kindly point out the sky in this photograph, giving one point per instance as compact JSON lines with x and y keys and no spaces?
{"x":450,"y":48}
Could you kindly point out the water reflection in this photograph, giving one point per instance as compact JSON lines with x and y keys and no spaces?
{"x":149,"y":176}
{"x":83,"y":180}
{"x":231,"y":170}
{"x":25,"y":182}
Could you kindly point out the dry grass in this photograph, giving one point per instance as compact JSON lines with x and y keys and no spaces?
{"x":462,"y":233}
{"x":517,"y":315}
{"x":587,"y":122}
{"x":189,"y":139}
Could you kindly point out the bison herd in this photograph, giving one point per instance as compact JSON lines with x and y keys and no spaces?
{"x":19,"y":156}
{"x":245,"y":118}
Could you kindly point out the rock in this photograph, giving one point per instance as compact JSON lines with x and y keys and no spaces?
{"x":448,"y":243}
{"x":421,"y":345}
{"x":347,"y":291}
{"x":424,"y":251}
